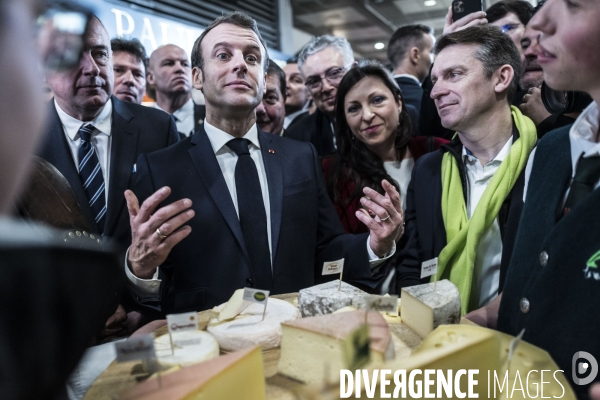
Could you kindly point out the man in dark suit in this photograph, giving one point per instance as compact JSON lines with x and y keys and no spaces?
{"x":122,"y":131}
{"x":409,"y":51}
{"x":94,"y":139}
{"x":256,"y":203}
{"x":472,"y":187}
{"x":170,"y":74}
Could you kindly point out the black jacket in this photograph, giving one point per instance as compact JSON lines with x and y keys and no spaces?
{"x":425,"y":230}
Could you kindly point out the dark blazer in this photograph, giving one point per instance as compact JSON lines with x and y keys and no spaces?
{"x":212,"y":262}
{"x":135,"y":130}
{"x":425,"y":230}
{"x":411,"y":92}
{"x":552,"y":284}
{"x":314,"y":128}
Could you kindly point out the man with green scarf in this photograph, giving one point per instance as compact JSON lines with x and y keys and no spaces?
{"x":464,"y":201}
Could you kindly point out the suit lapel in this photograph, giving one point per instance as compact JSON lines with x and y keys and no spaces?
{"x":208,"y":169}
{"x":272,"y":161}
{"x":124,"y":134}
{"x":56,"y":150}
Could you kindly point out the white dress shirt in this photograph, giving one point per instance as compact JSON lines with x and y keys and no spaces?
{"x":400,"y":171}
{"x":184,"y":117}
{"x":489,"y":252}
{"x":101,"y":138}
{"x":227,"y":160}
{"x":584,"y":139}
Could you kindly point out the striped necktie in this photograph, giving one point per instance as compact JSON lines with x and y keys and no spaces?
{"x":91,"y":176}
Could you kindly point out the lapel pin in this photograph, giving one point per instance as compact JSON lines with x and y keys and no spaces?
{"x":271,"y":151}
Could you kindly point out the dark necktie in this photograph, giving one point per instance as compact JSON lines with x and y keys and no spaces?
{"x":253,"y":218}
{"x":586,"y":176}
{"x":91,"y":176}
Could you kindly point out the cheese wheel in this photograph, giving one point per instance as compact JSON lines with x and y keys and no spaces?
{"x":249,"y":330}
{"x":191,"y":347}
{"x":326,"y":298}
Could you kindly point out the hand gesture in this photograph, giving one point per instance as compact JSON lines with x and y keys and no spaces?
{"x":473,"y":19}
{"x":387,"y":225}
{"x":154,"y":234}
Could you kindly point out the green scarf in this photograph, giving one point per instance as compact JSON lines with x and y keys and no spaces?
{"x":456,"y":261}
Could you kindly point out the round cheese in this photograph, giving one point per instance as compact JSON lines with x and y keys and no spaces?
{"x":191,"y":347}
{"x":248,"y":329}
{"x":329,"y":297}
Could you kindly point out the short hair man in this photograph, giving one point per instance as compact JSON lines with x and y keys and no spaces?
{"x":552,"y":280}
{"x":83,"y":98}
{"x":129,"y":65}
{"x":478,"y":177}
{"x":409,"y":51}
{"x":511,"y":16}
{"x":270,"y":113}
{"x":255,"y":203}
{"x":170,"y":73}
{"x":297,"y":94}
{"x":323,"y":62}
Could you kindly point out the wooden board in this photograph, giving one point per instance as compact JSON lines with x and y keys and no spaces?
{"x":120,"y":376}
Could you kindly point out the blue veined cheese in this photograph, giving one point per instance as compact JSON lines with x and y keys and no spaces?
{"x":326,"y":298}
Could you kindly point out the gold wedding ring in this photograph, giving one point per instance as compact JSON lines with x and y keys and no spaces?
{"x":160,"y":235}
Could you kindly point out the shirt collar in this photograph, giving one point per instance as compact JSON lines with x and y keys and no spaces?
{"x":408,"y":76}
{"x":102,"y":122}
{"x":584,"y":134}
{"x":218,"y":138}
{"x":182,"y":112}
{"x":466,"y":153}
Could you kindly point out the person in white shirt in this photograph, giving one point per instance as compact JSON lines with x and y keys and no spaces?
{"x":409,"y":52}
{"x":464,"y":201}
{"x":170,"y":74}
{"x":234,"y":206}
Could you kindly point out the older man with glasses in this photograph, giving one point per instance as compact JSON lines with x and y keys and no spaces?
{"x":323,"y":62}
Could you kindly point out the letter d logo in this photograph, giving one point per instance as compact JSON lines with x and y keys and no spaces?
{"x":583,"y":367}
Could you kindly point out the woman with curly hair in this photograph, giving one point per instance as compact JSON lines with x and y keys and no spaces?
{"x":374,"y":141}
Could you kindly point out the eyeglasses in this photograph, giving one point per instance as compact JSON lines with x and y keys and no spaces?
{"x":509,"y":28}
{"x":333,"y":76}
{"x":60,"y":34}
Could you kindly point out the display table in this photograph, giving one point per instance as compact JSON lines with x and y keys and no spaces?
{"x":121,"y":376}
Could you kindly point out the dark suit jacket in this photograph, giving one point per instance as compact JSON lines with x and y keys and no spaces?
{"x":206,"y":267}
{"x":411,"y":92}
{"x":135,"y":130}
{"x":425,"y":230}
{"x":316,"y":129}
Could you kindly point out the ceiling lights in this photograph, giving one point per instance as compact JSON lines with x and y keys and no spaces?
{"x":379,"y":46}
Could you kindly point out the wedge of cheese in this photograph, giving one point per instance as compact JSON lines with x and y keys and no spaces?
{"x":190,"y":347}
{"x":326,"y":298}
{"x":237,"y":375}
{"x":311,"y":348}
{"x":471,"y":347}
{"x":249,"y":329}
{"x":423,"y":309}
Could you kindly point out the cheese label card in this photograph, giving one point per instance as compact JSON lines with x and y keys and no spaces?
{"x":136,"y":348}
{"x":388,"y":304}
{"x":429,"y":268}
{"x":356,"y":348}
{"x":182,"y":322}
{"x":256,"y":295}
{"x":512,"y":347}
{"x":333,"y":267}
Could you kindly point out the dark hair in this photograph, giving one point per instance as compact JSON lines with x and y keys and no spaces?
{"x":403,"y":39}
{"x":495,"y":50}
{"x":237,"y":18}
{"x":354,"y":161}
{"x":538,"y":6}
{"x":292,"y":60}
{"x":276,"y":71}
{"x":522,"y":9}
{"x":131,"y":46}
